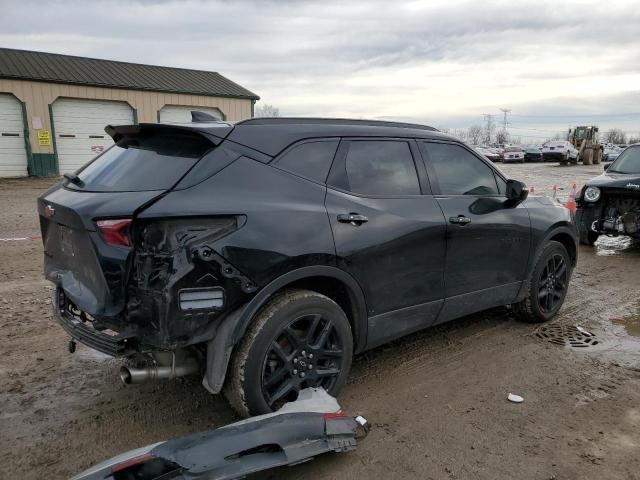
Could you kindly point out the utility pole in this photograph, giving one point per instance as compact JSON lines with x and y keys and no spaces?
{"x":489,"y":128}
{"x":505,"y":111}
{"x":504,"y":134}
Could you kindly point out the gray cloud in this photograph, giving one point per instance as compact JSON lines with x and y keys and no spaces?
{"x":334,"y":57}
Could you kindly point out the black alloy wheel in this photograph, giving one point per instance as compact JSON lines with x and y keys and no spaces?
{"x":300,"y":339}
{"x":547,"y":284}
{"x":306,"y":353}
{"x":552,"y":283}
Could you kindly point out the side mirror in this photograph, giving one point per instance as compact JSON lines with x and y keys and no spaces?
{"x":605,"y":166}
{"x":517,"y":192}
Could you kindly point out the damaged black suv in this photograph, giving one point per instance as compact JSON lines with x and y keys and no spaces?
{"x":264,"y":254}
{"x":610,"y":203}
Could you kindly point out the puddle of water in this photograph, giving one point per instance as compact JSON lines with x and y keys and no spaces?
{"x":630,"y":324}
{"x":621,"y":245}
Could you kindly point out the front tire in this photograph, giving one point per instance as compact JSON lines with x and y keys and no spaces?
{"x":299,"y":339}
{"x":547,"y":285}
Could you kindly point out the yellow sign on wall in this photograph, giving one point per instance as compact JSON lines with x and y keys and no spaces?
{"x":44,"y":137}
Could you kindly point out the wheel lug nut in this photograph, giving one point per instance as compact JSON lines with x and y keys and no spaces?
{"x":295,"y":360}
{"x":295,"y":372}
{"x":302,"y":375}
{"x":310,"y":367}
{"x":304,"y":354}
{"x":311,"y":355}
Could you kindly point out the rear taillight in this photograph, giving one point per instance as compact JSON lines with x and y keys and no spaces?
{"x":115,"y":231}
{"x":132,"y":462}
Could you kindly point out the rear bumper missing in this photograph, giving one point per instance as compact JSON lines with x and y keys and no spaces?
{"x":80,"y":328}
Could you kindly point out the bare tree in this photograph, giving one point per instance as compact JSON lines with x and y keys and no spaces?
{"x":558,"y":137}
{"x":633,"y":139}
{"x":502,"y":136}
{"x":475,"y":134}
{"x":460,"y":134}
{"x":267,"y":110}
{"x":615,"y":135}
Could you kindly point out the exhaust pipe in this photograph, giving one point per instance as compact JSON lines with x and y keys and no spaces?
{"x":153,"y":367}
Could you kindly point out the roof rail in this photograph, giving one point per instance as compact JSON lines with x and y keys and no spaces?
{"x":331,"y":121}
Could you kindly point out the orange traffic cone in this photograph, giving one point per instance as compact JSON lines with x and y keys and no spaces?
{"x":571,"y":202}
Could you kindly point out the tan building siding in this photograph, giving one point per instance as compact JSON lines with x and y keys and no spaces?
{"x":38,"y":96}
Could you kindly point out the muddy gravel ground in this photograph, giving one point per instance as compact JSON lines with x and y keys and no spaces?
{"x":437,"y":399}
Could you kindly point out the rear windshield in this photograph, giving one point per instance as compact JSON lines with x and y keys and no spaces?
{"x":143,"y":163}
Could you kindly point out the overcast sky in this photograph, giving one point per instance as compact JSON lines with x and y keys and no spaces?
{"x":440,"y":62}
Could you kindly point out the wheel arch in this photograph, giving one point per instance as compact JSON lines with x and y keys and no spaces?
{"x":330,"y":281}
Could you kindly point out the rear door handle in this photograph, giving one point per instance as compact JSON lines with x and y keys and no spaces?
{"x":354,"y":219}
{"x":460,"y":220}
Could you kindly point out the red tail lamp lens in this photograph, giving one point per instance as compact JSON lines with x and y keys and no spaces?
{"x":115,"y":231}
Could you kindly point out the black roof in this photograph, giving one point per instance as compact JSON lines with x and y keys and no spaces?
{"x":272,"y":135}
{"x":53,"y":67}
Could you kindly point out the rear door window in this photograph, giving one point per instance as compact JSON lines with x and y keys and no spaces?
{"x":310,"y":159}
{"x":459,"y":172}
{"x":143,"y":163}
{"x":381,"y":167}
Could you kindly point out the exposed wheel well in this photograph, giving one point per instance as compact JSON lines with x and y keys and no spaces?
{"x":566,"y":240}
{"x":339,"y":293}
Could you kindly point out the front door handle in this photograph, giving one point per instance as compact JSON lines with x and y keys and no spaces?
{"x":354,"y":219}
{"x":460,"y":220}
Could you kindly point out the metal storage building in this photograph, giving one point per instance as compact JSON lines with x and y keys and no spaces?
{"x":53,"y":108}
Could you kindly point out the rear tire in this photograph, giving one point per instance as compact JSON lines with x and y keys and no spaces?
{"x":547,"y":286}
{"x":299,"y":339}
{"x":587,"y":157}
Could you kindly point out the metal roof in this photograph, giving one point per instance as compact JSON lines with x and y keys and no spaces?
{"x":53,"y":67}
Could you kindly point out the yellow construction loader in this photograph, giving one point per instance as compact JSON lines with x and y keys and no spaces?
{"x":585,"y":140}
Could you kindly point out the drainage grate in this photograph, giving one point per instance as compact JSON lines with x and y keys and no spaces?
{"x":567,"y":335}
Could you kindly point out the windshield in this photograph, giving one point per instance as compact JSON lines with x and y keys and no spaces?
{"x":143,"y":163}
{"x":581,"y":133}
{"x":627,"y":162}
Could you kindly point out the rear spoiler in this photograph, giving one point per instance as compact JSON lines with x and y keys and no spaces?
{"x":215,"y":132}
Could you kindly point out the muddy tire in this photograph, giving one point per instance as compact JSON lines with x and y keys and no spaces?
{"x":597,"y":157}
{"x":587,"y":157}
{"x":299,"y":339}
{"x":547,"y":285}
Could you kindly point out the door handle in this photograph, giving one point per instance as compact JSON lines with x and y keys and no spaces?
{"x":354,"y":219}
{"x":460,"y":220}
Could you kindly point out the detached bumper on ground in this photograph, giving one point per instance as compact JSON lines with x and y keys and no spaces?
{"x":300,"y":430}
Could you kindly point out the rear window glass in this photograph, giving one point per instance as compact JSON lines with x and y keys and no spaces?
{"x":143,"y":163}
{"x":311,"y":159}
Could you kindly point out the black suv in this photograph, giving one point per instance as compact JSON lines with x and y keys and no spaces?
{"x":610,"y":203}
{"x":265,"y":253}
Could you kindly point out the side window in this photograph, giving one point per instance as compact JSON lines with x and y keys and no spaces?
{"x":458,"y":172}
{"x":311,"y":159}
{"x":379,"y":167}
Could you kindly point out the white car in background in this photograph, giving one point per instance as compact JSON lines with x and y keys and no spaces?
{"x":561,"y":151}
{"x":512,"y":154}
{"x":611,"y":152}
